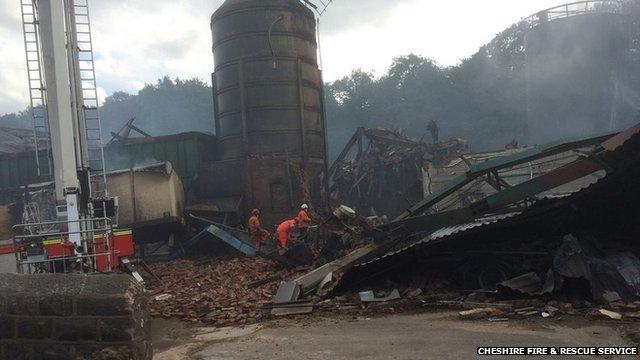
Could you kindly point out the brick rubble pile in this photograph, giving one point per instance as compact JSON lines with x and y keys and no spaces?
{"x":217,"y":292}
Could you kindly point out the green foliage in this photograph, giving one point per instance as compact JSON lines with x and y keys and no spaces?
{"x":19,"y":120}
{"x":482,"y":100}
{"x":167,"y":107}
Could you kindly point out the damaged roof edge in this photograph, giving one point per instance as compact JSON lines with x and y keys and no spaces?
{"x":478,"y":170}
{"x":164,"y":167}
{"x":611,"y":145}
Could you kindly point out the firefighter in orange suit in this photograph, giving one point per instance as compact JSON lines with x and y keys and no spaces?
{"x":304,"y":220}
{"x":286,"y":231}
{"x":255,"y":229}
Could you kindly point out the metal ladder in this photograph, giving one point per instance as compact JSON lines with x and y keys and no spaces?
{"x":89,"y":92}
{"x":37,"y":89}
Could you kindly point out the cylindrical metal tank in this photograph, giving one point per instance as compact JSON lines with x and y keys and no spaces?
{"x":574,"y":74}
{"x":268,"y":96}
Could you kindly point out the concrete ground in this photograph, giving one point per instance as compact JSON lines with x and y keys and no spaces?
{"x":424,"y":336}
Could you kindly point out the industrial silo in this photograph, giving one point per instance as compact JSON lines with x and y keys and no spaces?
{"x":576,"y":60}
{"x":268,"y":97}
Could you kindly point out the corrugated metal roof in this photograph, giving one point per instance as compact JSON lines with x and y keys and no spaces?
{"x":453,"y":230}
{"x":497,"y":164}
{"x":447,"y":232}
{"x":478,"y":223}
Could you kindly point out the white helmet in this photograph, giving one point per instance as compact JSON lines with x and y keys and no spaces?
{"x":304,"y":206}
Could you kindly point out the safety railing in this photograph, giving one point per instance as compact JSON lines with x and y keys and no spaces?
{"x":575,"y":9}
{"x":64,"y":264}
{"x":84,"y":260}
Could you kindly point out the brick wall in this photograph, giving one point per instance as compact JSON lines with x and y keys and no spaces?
{"x":64,"y":316}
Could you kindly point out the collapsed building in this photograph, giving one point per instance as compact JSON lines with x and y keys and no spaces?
{"x":381,"y":172}
{"x":520,"y":237}
{"x":439,"y":176}
{"x":532,"y":220}
{"x":552,"y":220}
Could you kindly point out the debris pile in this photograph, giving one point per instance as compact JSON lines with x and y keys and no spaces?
{"x":517,"y":243}
{"x":537,"y":308}
{"x":516,"y":253}
{"x":215,"y":292}
{"x":607,"y":279}
{"x":379,"y":164}
{"x":238,"y":290}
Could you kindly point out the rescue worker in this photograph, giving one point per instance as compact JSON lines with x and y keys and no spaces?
{"x":255,"y":229}
{"x":303,"y":218}
{"x":286,"y":231}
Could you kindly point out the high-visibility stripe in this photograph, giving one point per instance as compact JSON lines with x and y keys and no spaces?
{"x":52,"y":241}
{"x":115,"y":233}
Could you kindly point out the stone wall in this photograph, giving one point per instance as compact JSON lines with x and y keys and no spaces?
{"x":68,"y":316}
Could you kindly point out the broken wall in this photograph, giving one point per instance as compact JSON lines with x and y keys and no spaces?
{"x":147,"y":195}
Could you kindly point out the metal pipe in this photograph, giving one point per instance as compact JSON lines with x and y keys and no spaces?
{"x":273,"y":54}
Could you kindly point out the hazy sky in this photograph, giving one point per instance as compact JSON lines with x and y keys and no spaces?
{"x":138,"y":41}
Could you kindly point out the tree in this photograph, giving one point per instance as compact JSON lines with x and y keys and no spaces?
{"x":169,"y":106}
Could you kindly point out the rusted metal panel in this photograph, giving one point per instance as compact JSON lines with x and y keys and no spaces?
{"x":278,"y":185}
{"x":618,"y":140}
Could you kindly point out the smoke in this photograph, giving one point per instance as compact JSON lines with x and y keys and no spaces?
{"x":170,"y":106}
{"x":629,"y":95}
{"x":573,"y":67}
{"x":569,"y":77}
